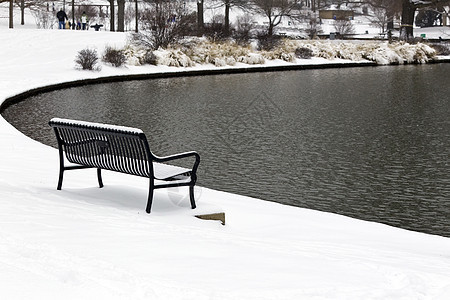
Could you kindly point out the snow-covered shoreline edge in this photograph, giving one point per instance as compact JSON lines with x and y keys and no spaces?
{"x":180,"y":72}
{"x":187,"y":72}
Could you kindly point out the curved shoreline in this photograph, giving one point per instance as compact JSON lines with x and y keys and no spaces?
{"x":186,"y":73}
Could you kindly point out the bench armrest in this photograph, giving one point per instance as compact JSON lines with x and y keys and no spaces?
{"x":180,"y":156}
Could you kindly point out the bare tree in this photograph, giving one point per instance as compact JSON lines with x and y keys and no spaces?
{"x":314,"y":27}
{"x":228,"y":4}
{"x":384,"y":13}
{"x":275,"y":11}
{"x":344,"y":27}
{"x":244,"y":25}
{"x":163,"y":24}
{"x":32,"y":5}
{"x":380,"y":18}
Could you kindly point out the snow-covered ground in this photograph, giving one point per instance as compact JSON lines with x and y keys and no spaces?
{"x":88,"y":243}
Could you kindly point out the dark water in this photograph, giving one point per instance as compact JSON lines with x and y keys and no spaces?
{"x":371,"y":143}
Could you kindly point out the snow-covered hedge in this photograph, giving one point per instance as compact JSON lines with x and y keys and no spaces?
{"x":381,"y":53}
{"x":229,"y":53}
{"x":222,"y":54}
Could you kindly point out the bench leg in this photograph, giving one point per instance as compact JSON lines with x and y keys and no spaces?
{"x":60,"y":180}
{"x":99,"y":177}
{"x":191,"y":196}
{"x":150,"y":198}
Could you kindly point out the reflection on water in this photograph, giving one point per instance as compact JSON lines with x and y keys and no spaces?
{"x":371,"y":143}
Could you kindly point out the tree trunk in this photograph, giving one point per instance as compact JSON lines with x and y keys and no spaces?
{"x":270,"y":29}
{"x":22,"y":12}
{"x":112,"y":16}
{"x":226,"y":28}
{"x":121,"y":15}
{"x":11,"y":14}
{"x":200,"y":22}
{"x":73,"y":15}
{"x":137,"y":16}
{"x":408,"y":11}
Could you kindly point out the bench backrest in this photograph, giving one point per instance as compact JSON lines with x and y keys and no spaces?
{"x":116,"y":148}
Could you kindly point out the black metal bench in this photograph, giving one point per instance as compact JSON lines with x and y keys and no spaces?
{"x":120,"y":149}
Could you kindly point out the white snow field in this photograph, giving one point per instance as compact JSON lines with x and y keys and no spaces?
{"x":88,"y":243}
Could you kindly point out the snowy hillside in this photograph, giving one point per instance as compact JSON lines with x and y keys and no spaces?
{"x":88,"y":243}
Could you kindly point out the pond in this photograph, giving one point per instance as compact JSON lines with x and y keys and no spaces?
{"x":371,"y":143}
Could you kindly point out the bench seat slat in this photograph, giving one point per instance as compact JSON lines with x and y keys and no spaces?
{"x":164,"y":171}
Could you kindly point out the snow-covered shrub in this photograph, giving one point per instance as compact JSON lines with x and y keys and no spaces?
{"x":441,"y":49}
{"x":303,"y":53}
{"x":218,"y":53}
{"x":404,"y":50}
{"x":87,"y":59}
{"x":322,"y":49}
{"x":384,"y":55}
{"x":352,"y":51}
{"x":423,"y":53}
{"x":149,"y":58}
{"x":418,"y":53}
{"x":115,"y":57}
{"x":172,"y":58}
{"x":135,"y":55}
{"x":231,"y":61}
{"x":381,"y":53}
{"x":201,"y":51}
{"x":268,"y":42}
{"x":220,"y":62}
{"x":251,"y":59}
{"x":285,"y":50}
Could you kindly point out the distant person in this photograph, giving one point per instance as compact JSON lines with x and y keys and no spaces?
{"x":62,"y":17}
{"x":97,"y":26}
{"x":83,"y":21}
